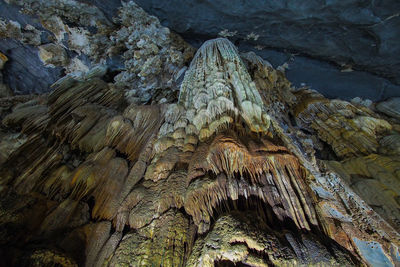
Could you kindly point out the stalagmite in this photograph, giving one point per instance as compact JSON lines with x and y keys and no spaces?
{"x":238,"y":168}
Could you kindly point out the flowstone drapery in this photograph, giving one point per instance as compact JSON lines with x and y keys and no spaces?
{"x":229,"y":174}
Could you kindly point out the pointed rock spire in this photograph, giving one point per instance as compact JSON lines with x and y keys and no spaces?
{"x":218,"y":91}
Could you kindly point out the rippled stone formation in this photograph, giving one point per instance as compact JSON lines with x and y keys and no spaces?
{"x":241,"y":169}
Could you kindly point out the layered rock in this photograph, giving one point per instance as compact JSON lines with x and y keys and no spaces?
{"x":365,"y":144}
{"x":233,"y":167}
{"x":180,"y":184}
{"x":144,"y":58}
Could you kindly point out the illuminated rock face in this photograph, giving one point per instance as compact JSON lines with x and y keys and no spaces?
{"x":223,"y":176}
{"x":217,"y":89}
{"x":367,"y":147}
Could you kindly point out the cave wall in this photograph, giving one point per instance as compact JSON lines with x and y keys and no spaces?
{"x":322,"y":41}
{"x":149,"y":152}
{"x":360,"y":33}
{"x":344,"y":50}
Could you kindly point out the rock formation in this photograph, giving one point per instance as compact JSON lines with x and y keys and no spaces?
{"x":350,"y":33}
{"x":231,"y":166}
{"x":359,"y":39}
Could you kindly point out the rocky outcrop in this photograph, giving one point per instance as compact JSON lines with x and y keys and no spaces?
{"x":365,"y":144}
{"x":187,"y":179}
{"x":358,"y":38}
{"x":361,"y":35}
{"x":74,"y":37}
{"x":357,"y":41}
{"x":162,"y":163}
{"x":391,"y":107}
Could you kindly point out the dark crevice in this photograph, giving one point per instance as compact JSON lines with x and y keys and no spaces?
{"x":292,"y":119}
{"x":252,"y":203}
{"x":110,"y":75}
{"x":226,"y":263}
{"x":306,"y":131}
{"x":119,"y":154}
{"x":91,"y":202}
{"x":126,"y":230}
{"x":326,"y":152}
{"x":180,"y":166}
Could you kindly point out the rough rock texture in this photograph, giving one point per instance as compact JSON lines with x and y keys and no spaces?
{"x":73,"y":37}
{"x":245,"y":238}
{"x":25,"y":73}
{"x":391,"y":107}
{"x":349,"y":36}
{"x":222,"y":176}
{"x":306,"y":36}
{"x":362,"y":34}
{"x":366,"y":146}
{"x":20,"y":35}
{"x":218,"y":163}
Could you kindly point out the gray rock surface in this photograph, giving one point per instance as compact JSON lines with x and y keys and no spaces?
{"x":313,"y":37}
{"x":391,"y":107}
{"x":327,"y":78}
{"x":365,"y":34}
{"x":333,"y":83}
{"x":24,"y":73}
{"x":108,"y":7}
{"x":11,"y":12}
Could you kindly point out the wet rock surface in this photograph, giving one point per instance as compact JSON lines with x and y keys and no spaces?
{"x":221,"y":176}
{"x":25,"y":73}
{"x":326,"y":77}
{"x":349,"y":34}
{"x":148,"y":152}
{"x":364,"y":34}
{"x":362,"y":37}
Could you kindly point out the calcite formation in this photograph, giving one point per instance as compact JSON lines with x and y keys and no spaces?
{"x":390,"y":107}
{"x":236,"y":168}
{"x":145,"y":59}
{"x":365,"y":146}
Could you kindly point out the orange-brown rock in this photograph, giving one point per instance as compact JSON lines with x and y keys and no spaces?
{"x":222,"y":176}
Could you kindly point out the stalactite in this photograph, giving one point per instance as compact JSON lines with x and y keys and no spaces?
{"x":248,"y":173}
{"x":131,"y":132}
{"x":348,"y":129}
{"x":223,"y":175}
{"x":32,"y":116}
{"x":230,"y":240}
{"x":375,"y":177}
{"x":218,"y":88}
{"x":99,"y":234}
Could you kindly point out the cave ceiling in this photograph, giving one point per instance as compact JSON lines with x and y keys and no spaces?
{"x":241,"y":133}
